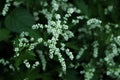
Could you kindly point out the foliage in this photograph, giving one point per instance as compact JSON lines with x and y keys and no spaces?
{"x":59,"y":40}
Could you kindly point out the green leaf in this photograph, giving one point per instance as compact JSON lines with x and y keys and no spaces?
{"x":29,"y":55}
{"x":19,"y":20}
{"x":0,"y":25}
{"x":72,"y":45}
{"x":81,"y":5}
{"x":47,"y":76}
{"x":35,"y":72}
{"x":34,"y":33}
{"x":4,"y":34}
{"x":71,"y":75}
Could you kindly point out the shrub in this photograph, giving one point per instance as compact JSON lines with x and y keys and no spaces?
{"x":59,"y":40}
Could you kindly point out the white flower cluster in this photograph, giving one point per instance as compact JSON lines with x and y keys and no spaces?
{"x":80,"y":53}
{"x":70,"y":10}
{"x":57,"y":26}
{"x":6,"y":62}
{"x":6,"y":7}
{"x":69,"y":54}
{"x":2,"y":61}
{"x":109,"y":26}
{"x":78,"y":18}
{"x":42,"y":58}
{"x":95,"y":49}
{"x":108,"y":9}
{"x":57,"y":16}
{"x":17,"y":3}
{"x":23,"y":42}
{"x":114,"y":71}
{"x":55,"y":5}
{"x":37,"y":26}
{"x":35,"y":64}
{"x":11,"y":67}
{"x":43,"y":3}
{"x":27,"y":64}
{"x":108,"y":29}
{"x":53,"y":50}
{"x":111,"y":54}
{"x":88,"y":72}
{"x":111,"y":50}
{"x":68,"y":14}
{"x":93,"y":23}
{"x":117,"y":40}
{"x":36,"y":15}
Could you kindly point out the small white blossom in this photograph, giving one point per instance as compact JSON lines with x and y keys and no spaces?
{"x":27,"y":64}
{"x":57,"y":16}
{"x":95,"y":49}
{"x":11,"y":67}
{"x":55,"y":5}
{"x":16,"y":49}
{"x":80,"y":53}
{"x":35,"y":64}
{"x":117,"y":40}
{"x":32,"y":39}
{"x":15,"y":3}
{"x":4,"y":62}
{"x":93,"y":21}
{"x":69,"y":54}
{"x":70,"y":10}
{"x":23,"y":34}
{"x":40,"y":40}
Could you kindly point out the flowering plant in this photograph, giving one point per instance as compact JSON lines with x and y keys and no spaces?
{"x":59,"y":40}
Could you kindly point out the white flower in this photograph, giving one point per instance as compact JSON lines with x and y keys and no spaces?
{"x":42,"y":58}
{"x":117,"y":40}
{"x":57,"y":16}
{"x":24,"y":34}
{"x":35,"y":27}
{"x":95,"y":49}
{"x":55,"y":5}
{"x":27,"y":64}
{"x":70,"y":10}
{"x":40,"y":40}
{"x":35,"y":64}
{"x":93,"y":21}
{"x":70,"y":55}
{"x":16,"y":49}
{"x":32,"y":39}
{"x":15,"y":3}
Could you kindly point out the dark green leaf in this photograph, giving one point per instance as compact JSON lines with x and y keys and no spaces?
{"x":19,"y":20}
{"x":71,"y":75}
{"x":4,"y":34}
{"x":81,"y":5}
